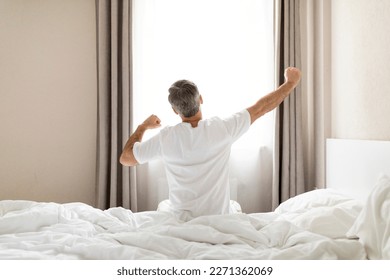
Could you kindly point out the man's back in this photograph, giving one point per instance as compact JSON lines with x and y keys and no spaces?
{"x":197,"y":163}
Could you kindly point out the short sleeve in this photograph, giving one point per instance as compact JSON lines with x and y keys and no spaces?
{"x":237,"y":124}
{"x":147,"y":150}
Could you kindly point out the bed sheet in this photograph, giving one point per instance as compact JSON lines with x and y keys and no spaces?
{"x":32,"y":230}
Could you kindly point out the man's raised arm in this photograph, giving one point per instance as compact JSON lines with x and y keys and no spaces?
{"x":272,"y":100}
{"x":127,"y":157}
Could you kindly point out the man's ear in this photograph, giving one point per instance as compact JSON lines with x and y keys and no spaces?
{"x":201,"y":99}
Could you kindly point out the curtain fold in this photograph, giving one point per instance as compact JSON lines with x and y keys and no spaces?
{"x":316,"y":87}
{"x":288,"y":171}
{"x":115,"y":184}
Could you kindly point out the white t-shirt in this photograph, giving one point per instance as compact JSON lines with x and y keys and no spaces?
{"x":196,"y":160}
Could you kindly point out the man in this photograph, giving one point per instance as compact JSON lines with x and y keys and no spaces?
{"x":196,"y":152}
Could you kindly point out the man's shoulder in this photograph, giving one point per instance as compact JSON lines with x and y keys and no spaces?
{"x":214,"y":119}
{"x":171,"y":129}
{"x":237,"y":116}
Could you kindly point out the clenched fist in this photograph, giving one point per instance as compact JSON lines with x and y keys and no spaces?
{"x":152,"y":122}
{"x":292,"y":75}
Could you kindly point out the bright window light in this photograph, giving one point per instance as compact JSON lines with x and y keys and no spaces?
{"x":224,"y":46}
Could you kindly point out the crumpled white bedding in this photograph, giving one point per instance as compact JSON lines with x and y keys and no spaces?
{"x":32,"y":230}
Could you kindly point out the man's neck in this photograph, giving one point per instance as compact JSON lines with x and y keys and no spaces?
{"x":194,"y":120}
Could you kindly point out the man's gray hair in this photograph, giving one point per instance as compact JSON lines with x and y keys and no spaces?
{"x":184,"y":98}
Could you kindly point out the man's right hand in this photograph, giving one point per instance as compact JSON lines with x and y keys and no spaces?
{"x":292,"y":75}
{"x":127,"y":157}
{"x":151,"y":122}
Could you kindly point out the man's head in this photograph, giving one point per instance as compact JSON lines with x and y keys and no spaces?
{"x":184,"y":98}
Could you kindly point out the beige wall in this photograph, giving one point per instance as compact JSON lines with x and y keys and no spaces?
{"x":345,"y":76}
{"x":47,"y":100}
{"x":360,"y":69}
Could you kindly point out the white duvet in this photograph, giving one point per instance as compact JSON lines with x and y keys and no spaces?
{"x":310,"y":227}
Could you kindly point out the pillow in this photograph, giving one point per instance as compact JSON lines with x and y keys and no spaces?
{"x":323,"y":211}
{"x":372,"y":226}
{"x":312,"y":199}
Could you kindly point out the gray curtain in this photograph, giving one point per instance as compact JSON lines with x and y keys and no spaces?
{"x":288,"y":172}
{"x":115,"y":183}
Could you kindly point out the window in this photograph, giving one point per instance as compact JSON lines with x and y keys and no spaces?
{"x":224,"y":46}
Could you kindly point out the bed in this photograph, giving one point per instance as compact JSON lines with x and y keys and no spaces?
{"x":347,"y":220}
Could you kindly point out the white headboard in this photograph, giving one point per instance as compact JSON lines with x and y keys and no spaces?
{"x":353,"y":166}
